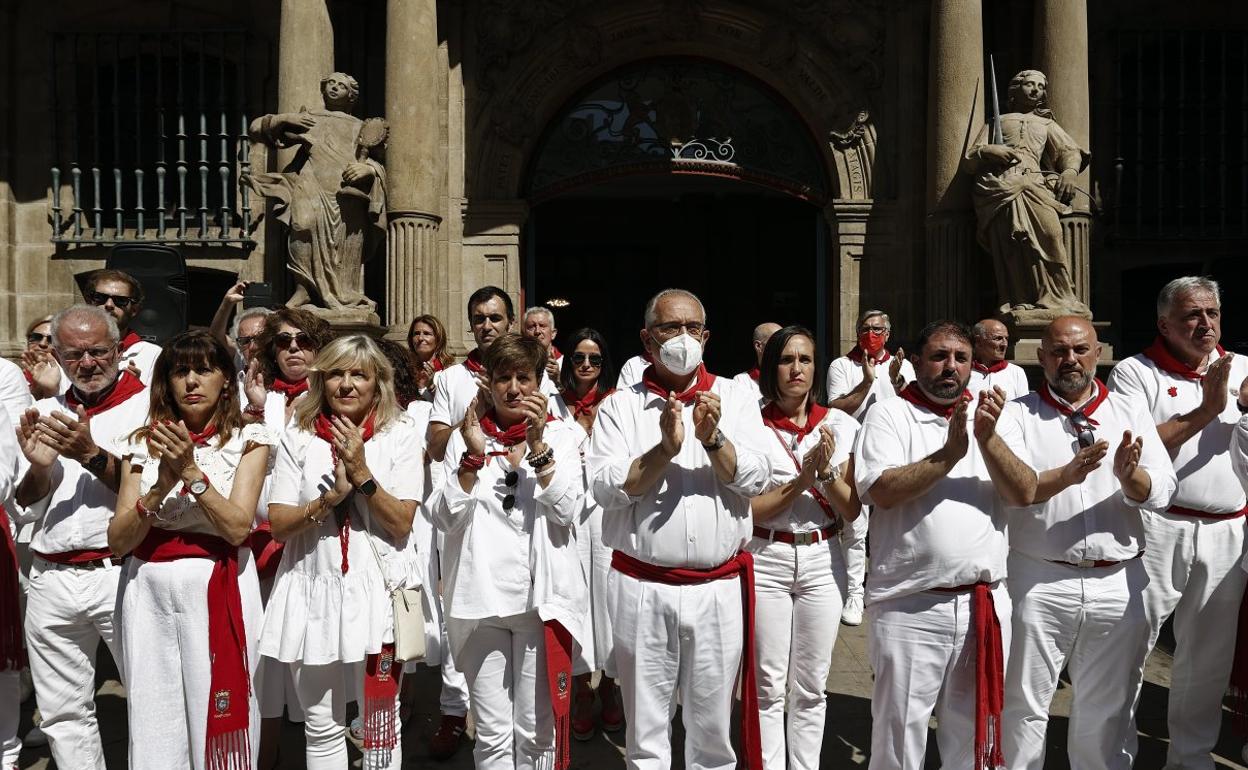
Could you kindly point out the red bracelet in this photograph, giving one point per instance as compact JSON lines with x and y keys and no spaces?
{"x":142,"y":510}
{"x":254,"y":411}
{"x":471,"y":462}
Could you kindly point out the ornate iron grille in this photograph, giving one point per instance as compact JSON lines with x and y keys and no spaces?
{"x":1181,"y":129}
{"x":150,"y":137}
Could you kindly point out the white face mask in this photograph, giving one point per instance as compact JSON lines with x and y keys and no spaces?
{"x":681,"y":354}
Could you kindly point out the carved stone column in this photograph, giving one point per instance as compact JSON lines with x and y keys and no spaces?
{"x":955,"y":113}
{"x":1060,"y":43}
{"x":415,"y":166}
{"x":305,"y":54}
{"x":848,"y":220}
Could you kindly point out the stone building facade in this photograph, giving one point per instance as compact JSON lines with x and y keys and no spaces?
{"x":792,"y":160}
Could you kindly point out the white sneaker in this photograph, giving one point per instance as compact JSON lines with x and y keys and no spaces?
{"x":851,"y":614}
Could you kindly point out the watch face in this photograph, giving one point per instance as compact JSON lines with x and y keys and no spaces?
{"x":199,"y":486}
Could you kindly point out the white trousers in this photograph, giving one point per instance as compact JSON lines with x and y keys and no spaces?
{"x":1194,"y":573}
{"x":323,"y":695}
{"x":504,"y":660}
{"x":1092,"y":622}
{"x":670,"y":640}
{"x":164,"y":638}
{"x":453,"y":700}
{"x":854,"y":547}
{"x":922,"y":648}
{"x":275,"y":686}
{"x":799,"y":591}
{"x":10,"y":713}
{"x":596,"y":566}
{"x":68,"y":611}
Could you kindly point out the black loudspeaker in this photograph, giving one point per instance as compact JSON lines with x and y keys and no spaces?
{"x":162,"y":271}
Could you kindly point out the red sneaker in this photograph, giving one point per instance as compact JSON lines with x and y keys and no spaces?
{"x":612,"y":714}
{"x":583,"y":707}
{"x":445,"y":742}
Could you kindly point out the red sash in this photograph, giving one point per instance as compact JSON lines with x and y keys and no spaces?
{"x":989,"y":675}
{"x":1160,"y":355}
{"x":741,"y":565}
{"x":1181,"y":511}
{"x":123,"y":388}
{"x":265,"y":550}
{"x":702,"y":381}
{"x":290,"y":390}
{"x":990,"y":368}
{"x":81,"y":556}
{"x":915,"y":395}
{"x":559,"y":680}
{"x":228,"y":743}
{"x":12,"y":649}
{"x":382,"y":674}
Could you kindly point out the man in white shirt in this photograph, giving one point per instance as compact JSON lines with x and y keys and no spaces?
{"x":990,"y":369}
{"x":71,"y":443}
{"x":539,"y":324}
{"x":1194,"y":546}
{"x":748,"y":380}
{"x":938,"y":558}
{"x":241,"y":338}
{"x":866,"y":374}
{"x":630,"y":372}
{"x":673,"y":462}
{"x":121,"y":296}
{"x":1076,"y":577}
{"x":12,"y":646}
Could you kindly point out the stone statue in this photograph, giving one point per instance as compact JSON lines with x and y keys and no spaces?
{"x":331,"y":197}
{"x":1021,"y":188}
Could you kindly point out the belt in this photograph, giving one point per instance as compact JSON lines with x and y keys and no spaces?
{"x":797,"y":538}
{"x":82,"y":559}
{"x":1181,"y":511}
{"x":1089,"y":563}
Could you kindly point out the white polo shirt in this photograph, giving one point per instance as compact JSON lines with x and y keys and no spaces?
{"x":1011,"y":379}
{"x":454,"y":389}
{"x":689,"y":518}
{"x":630,"y":373}
{"x":746,"y":382}
{"x":844,"y":374}
{"x":1206,"y":479}
{"x":1094,"y":520}
{"x":954,"y":534}
{"x":805,"y":514}
{"x":15,"y":395}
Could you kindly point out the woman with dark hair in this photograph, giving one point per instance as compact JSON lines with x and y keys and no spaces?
{"x":426,"y":338}
{"x":43,"y":374}
{"x":800,"y":578}
{"x":190,"y":612}
{"x":583,"y":383}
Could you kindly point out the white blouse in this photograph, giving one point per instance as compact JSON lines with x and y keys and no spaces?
{"x":317,"y":614}
{"x":501,"y":563}
{"x":805,"y":514}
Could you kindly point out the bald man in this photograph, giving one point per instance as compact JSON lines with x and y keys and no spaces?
{"x":990,"y":369}
{"x":748,"y":381}
{"x":1076,"y":576}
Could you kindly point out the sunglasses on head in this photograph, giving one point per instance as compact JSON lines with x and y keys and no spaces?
{"x":594,"y":359}
{"x":1083,"y":429}
{"x":510,"y":480}
{"x":37,"y":339}
{"x":283,"y":340}
{"x":101,"y":299}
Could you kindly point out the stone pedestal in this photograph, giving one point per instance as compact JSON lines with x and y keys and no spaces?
{"x":1026,"y":340}
{"x":349,"y":321}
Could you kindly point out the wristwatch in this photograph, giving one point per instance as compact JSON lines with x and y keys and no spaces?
{"x":198,"y":486}
{"x":716,"y":443}
{"x":98,"y":463}
{"x":368,"y":488}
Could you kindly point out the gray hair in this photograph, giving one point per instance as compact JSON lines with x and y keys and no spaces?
{"x":1171,"y":292}
{"x":649,"y":317}
{"x":540,"y":310}
{"x":85,"y":315}
{"x":251,"y":312}
{"x":862,"y":319}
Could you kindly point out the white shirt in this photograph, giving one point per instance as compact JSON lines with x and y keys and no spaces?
{"x":1239,"y":457}
{"x":1207,"y":481}
{"x":954,"y":534}
{"x":316,"y":614}
{"x":75,"y":515}
{"x":689,"y":518}
{"x":1093,"y":520}
{"x":844,"y":374}
{"x":749,"y":386}
{"x":15,"y":395}
{"x":455,"y":388}
{"x":502,"y":563}
{"x":805,"y":514}
{"x":12,"y":462}
{"x":142,"y":354}
{"x":1012,"y":379}
{"x":630,"y":373}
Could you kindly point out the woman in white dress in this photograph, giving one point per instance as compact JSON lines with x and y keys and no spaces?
{"x":343,"y":497}
{"x":586,"y":366}
{"x":190,"y":607}
{"x":799,"y":569}
{"x":513,"y":588}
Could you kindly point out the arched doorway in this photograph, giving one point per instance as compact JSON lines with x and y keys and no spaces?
{"x":678,"y":172}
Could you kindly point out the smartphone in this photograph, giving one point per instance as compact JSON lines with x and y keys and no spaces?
{"x":258,"y":294}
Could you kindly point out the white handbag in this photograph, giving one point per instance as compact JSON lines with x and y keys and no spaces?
{"x":409,"y":612}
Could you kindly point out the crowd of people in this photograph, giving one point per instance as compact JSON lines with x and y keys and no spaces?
{"x":241,"y":513}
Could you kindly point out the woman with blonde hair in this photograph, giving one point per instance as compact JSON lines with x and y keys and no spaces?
{"x":343,"y":497}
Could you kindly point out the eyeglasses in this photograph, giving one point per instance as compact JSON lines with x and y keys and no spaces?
{"x":245,"y":340}
{"x":95,"y":354}
{"x":101,"y":299}
{"x":1083,"y":429}
{"x":510,"y":480}
{"x":676,"y":327}
{"x":594,"y":359}
{"x":303,"y":339}
{"x":35,"y":338}
{"x":873,"y":329}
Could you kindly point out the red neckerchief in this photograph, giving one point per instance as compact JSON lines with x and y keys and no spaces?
{"x":129,"y":340}
{"x":473,"y":361}
{"x":12,"y":648}
{"x":1160,"y":355}
{"x":123,"y":388}
{"x":754,"y":374}
{"x":30,"y":379}
{"x":201,"y":439}
{"x":990,"y":368}
{"x":916,"y":396}
{"x":702,"y":381}
{"x":289,"y":389}
{"x":856,"y":353}
{"x":322,"y":426}
{"x":510,"y":437}
{"x":555,"y":355}
{"x":228,"y":743}
{"x":437,"y":364}
{"x":586,"y":404}
{"x":774,"y":418}
{"x":1102,"y":393}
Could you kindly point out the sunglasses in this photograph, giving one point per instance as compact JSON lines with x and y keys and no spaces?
{"x":101,"y":299}
{"x":245,"y":340}
{"x":1083,"y":429}
{"x":510,"y":480}
{"x":35,"y":338}
{"x":283,"y":340}
{"x":594,"y":359}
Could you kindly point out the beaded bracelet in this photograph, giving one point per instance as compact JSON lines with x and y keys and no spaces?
{"x":543,"y":459}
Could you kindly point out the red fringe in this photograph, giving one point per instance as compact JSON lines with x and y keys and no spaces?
{"x":228,"y":751}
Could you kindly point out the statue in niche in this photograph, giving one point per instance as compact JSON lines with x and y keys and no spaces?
{"x":331,"y":197}
{"x":1022,"y":186}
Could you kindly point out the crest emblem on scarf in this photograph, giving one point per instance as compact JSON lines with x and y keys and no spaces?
{"x":562,"y":682}
{"x":221,"y":701}
{"x":384,"y":664}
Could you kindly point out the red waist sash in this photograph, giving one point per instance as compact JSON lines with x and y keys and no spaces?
{"x":989,"y":675}
{"x":266,"y":550}
{"x":740,"y":565}
{"x":1181,"y":511}
{"x":80,"y":556}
